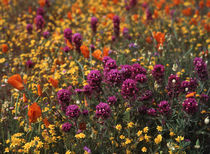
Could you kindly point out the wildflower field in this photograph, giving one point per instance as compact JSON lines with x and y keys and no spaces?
{"x":105,"y":76}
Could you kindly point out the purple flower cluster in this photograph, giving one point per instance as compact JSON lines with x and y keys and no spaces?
{"x":114,"y":77}
{"x":190,"y":105}
{"x":200,"y":68}
{"x":138,"y":69}
{"x":29,"y":64}
{"x":146,"y":95}
{"x":77,"y":39}
{"x":126,"y":33}
{"x":116,"y":22}
{"x":129,"y":89}
{"x":94,"y":78}
{"x":151,"y":111}
{"x":103,"y":110}
{"x":174,"y":86}
{"x":46,"y":34}
{"x":148,"y":14}
{"x":126,"y":71}
{"x":66,"y":127}
{"x":141,"y":78}
{"x":64,"y":97}
{"x":164,"y":107}
{"x":39,"y":20}
{"x":158,"y":73}
{"x":68,"y":34}
{"x":94,"y":22}
{"x":40,"y":11}
{"x":29,"y":28}
{"x":72,"y":111}
{"x":191,"y":85}
{"x":112,"y":100}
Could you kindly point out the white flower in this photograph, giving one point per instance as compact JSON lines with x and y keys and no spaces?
{"x":174,"y":68}
{"x":206,"y":121}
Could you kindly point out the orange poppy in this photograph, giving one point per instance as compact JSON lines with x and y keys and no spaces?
{"x":54,"y":82}
{"x":177,"y":2}
{"x":29,"y":10}
{"x":5,"y":2}
{"x":4,"y":48}
{"x":24,"y":98}
{"x":69,"y":44}
{"x":208,"y":3}
{"x":148,"y":39}
{"x":159,"y":37}
{"x":39,"y":90}
{"x":34,"y":112}
{"x":85,"y":51}
{"x":155,"y":14}
{"x":192,"y":94}
{"x":97,"y":54}
{"x":42,"y":3}
{"x":46,"y":122}
{"x":167,"y":9}
{"x":201,"y":4}
{"x":86,"y":104}
{"x":187,"y":12}
{"x":16,"y":81}
{"x":69,"y":15}
{"x":105,"y":51}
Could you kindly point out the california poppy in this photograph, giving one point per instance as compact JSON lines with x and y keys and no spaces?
{"x":97,"y":54}
{"x":105,"y":51}
{"x":69,"y":15}
{"x":46,"y":122}
{"x":159,"y":37}
{"x":187,"y":12}
{"x":42,"y":3}
{"x":16,"y":81}
{"x":4,"y":48}
{"x":54,"y":82}
{"x":69,"y":44}
{"x":39,"y":90}
{"x":192,"y":94}
{"x":148,"y":39}
{"x":34,"y":112}
{"x":24,"y":98}
{"x":85,"y":51}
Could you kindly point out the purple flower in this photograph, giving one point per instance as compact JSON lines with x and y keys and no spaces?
{"x":204,"y":98}
{"x":190,"y":105}
{"x":126,"y":33}
{"x":94,"y":78}
{"x":94,"y":22}
{"x":138,"y":69}
{"x":73,"y":111}
{"x":158,"y":72}
{"x":132,"y":3}
{"x":103,"y":110}
{"x":29,"y":64}
{"x":112,"y":100}
{"x":129,"y":89}
{"x":64,"y":96}
{"x":66,"y":127}
{"x":39,"y":20}
{"x":40,"y":11}
{"x":105,"y":59}
{"x":46,"y":34}
{"x":92,"y":47}
{"x":174,"y":86}
{"x":85,"y":112}
{"x":68,"y":34}
{"x":126,"y":71}
{"x":148,"y":14}
{"x":66,"y":49}
{"x":116,"y":22}
{"x":87,"y":149}
{"x":29,"y":28}
{"x":141,"y":78}
{"x":189,"y":85}
{"x":110,"y":64}
{"x":200,"y":68}
{"x":77,"y":39}
{"x":164,"y":107}
{"x":151,"y":112}
{"x":114,"y":77}
{"x":146,"y":95}
{"x":87,"y":89}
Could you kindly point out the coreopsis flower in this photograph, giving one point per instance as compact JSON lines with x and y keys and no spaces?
{"x":190,"y":105}
{"x":34,"y":112}
{"x":72,"y":111}
{"x":158,"y":139}
{"x":103,"y":110}
{"x":118,"y":127}
{"x":16,"y":81}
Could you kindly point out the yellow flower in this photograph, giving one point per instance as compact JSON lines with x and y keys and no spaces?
{"x":6,"y":150}
{"x":80,"y":135}
{"x":179,"y":138}
{"x":145,"y":130}
{"x":130,"y":124}
{"x":2,"y":60}
{"x":144,"y":149}
{"x":118,"y":127}
{"x":147,"y":138}
{"x":159,"y":128}
{"x":171,"y":133}
{"x":158,"y":139}
{"x":128,"y":141}
{"x":141,"y":138}
{"x":139,"y":133}
{"x":122,"y":137}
